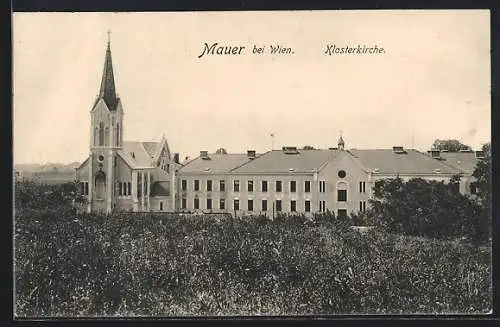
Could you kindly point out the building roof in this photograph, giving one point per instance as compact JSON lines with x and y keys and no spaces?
{"x":411,"y":162}
{"x":465,"y":161}
{"x":277,"y":161}
{"x":136,"y":154}
{"x":217,"y":164}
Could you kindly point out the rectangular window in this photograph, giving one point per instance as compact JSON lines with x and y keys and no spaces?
{"x":209,"y":186}
{"x":278,"y":205}
{"x":250,"y":205}
{"x":161,"y":205}
{"x":293,"y":186}
{"x":236,"y":205}
{"x":184,"y":185}
{"x":342,"y":213}
{"x":322,"y":206}
{"x":278,"y":186}
{"x":222,"y":204}
{"x":307,"y":206}
{"x":362,"y":187}
{"x":129,"y":188}
{"x":196,"y":185}
{"x":120,"y":189}
{"x":236,"y":186}
{"x":264,"y":205}
{"x":196,"y":203}
{"x":222,"y":185}
{"x":364,"y":206}
{"x":307,"y":186}
{"x":322,"y":186}
{"x":184,"y":203}
{"x":264,"y":186}
{"x":342,"y":195}
{"x":209,"y":204}
{"x":86,"y":188}
{"x":250,"y":186}
{"x":360,"y":206}
{"x":293,"y":206}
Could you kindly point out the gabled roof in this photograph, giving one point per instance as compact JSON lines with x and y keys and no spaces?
{"x":277,"y":161}
{"x":465,"y":161}
{"x":217,"y":164}
{"x":136,"y":155}
{"x":410,"y":162}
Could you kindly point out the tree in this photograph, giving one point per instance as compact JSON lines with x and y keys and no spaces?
{"x":307,"y":147}
{"x":450,"y":145}
{"x":221,"y":151}
{"x":423,"y":208}
{"x":482,"y":184}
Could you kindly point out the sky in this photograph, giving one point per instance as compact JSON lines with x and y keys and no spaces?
{"x":432,"y":82}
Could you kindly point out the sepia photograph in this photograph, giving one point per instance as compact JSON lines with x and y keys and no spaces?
{"x":251,"y":163}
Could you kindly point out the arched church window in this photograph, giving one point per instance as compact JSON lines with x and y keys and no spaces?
{"x":100,"y":185}
{"x":117,"y":134}
{"x":106,"y":136}
{"x":101,"y":133}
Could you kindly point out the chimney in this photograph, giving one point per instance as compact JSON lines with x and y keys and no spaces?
{"x":398,"y":149}
{"x":290,"y":150}
{"x":176,"y":158}
{"x":436,"y":154}
{"x":479,"y":154}
{"x":204,"y":155}
{"x":251,"y":154}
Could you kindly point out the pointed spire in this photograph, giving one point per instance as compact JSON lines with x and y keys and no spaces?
{"x":108,"y":91}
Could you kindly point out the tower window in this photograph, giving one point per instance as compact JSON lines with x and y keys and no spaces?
{"x":101,"y":133}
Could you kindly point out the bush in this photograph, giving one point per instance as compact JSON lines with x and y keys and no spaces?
{"x":87,"y":265}
{"x":427,"y":208}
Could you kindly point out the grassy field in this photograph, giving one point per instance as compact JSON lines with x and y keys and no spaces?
{"x":89,"y":265}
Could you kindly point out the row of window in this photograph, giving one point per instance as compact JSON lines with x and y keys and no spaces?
{"x":124,"y":188}
{"x":250,"y":186}
{"x":263,"y":188}
{"x":278,"y":205}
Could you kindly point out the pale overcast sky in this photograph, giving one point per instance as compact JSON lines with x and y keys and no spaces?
{"x":432,"y":82}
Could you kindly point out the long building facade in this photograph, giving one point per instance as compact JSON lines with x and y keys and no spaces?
{"x":145,"y":176}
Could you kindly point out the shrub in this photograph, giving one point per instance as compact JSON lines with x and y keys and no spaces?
{"x":70,"y":264}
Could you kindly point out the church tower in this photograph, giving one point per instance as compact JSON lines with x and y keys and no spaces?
{"x":106,"y":139}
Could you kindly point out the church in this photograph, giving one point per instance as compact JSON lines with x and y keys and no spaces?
{"x":123,"y":175}
{"x":139,"y":176}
